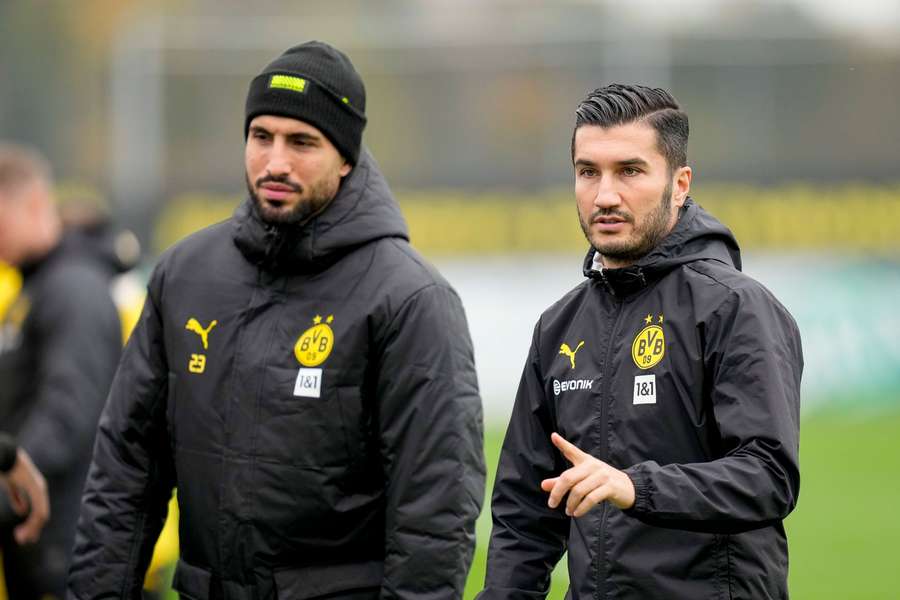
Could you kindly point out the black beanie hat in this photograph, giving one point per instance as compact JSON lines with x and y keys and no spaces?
{"x":315,"y":83}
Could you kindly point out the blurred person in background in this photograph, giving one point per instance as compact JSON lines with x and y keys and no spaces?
{"x":88,"y":222}
{"x":655,"y":430}
{"x":60,"y":344}
{"x":302,"y":375}
{"x":86,"y":216}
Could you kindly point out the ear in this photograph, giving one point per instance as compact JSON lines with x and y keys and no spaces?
{"x":345,"y":168}
{"x":681,"y":185}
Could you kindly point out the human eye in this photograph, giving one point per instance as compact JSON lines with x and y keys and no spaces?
{"x":630,"y":171}
{"x":587,"y":172}
{"x":302,"y":141}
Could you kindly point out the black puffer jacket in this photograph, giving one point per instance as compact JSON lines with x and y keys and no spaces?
{"x":686,"y":374}
{"x":59,"y":346}
{"x":312,"y":394}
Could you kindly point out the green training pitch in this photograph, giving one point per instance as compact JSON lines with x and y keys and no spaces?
{"x":845,"y":531}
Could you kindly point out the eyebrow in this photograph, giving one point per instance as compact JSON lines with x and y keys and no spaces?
{"x":299,"y":136}
{"x":633,"y":162}
{"x":628,"y":162}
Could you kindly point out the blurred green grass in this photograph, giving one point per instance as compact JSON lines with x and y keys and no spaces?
{"x":845,"y":531}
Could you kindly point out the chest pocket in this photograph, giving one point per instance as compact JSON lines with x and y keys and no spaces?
{"x":328,"y":428}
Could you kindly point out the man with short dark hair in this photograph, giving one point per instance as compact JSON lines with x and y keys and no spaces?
{"x":302,"y":375}
{"x":655,"y":430}
{"x":60,"y":341}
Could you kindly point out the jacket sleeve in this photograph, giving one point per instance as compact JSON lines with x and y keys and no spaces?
{"x":528,"y":538}
{"x":81,"y":337}
{"x":131,"y":476}
{"x":431,"y":445}
{"x":754,"y":362}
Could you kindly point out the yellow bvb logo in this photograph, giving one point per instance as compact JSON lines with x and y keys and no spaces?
{"x":649,"y":345}
{"x":315,"y":344}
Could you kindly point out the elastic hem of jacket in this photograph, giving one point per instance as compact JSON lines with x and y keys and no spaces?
{"x":641,"y":491}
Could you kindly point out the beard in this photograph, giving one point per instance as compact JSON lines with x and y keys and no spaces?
{"x":644,"y":237}
{"x":318,"y":197}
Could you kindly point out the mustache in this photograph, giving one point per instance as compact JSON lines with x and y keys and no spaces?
{"x":627,"y":217}
{"x":280,"y":179}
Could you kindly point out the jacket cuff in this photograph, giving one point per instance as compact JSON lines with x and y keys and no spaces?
{"x":642,"y":490}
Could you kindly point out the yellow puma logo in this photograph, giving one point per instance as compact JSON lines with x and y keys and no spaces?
{"x":194,"y":325}
{"x":564,"y":349}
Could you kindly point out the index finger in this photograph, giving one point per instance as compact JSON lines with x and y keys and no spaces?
{"x":569,"y":450}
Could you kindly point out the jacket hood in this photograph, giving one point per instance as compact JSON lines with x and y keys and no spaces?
{"x":697,"y":236}
{"x":363,"y":210}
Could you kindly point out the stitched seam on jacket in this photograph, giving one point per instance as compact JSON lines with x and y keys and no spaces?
{"x":136,"y":541}
{"x":134,"y":552}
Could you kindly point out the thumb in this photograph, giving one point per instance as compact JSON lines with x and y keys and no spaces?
{"x":568,"y":449}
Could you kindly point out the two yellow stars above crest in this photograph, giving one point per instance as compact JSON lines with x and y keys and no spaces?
{"x":649,"y":319}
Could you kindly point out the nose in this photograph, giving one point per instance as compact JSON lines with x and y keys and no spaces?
{"x":607,"y":196}
{"x":278,"y":163}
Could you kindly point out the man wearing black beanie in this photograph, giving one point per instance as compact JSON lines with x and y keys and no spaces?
{"x":302,"y":375}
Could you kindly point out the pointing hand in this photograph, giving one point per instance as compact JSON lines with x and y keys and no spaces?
{"x":589,"y":482}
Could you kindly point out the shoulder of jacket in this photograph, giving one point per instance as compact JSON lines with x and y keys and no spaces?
{"x":200,"y":247}
{"x":409,"y":280}
{"x":558,"y":316}
{"x":411,"y":269}
{"x":573,"y":298}
{"x":725,"y":276}
{"x":740,"y":291}
{"x":198,"y":244}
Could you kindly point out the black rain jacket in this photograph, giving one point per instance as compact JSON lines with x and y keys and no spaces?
{"x":688,"y":378}
{"x":311,"y":392}
{"x":60,"y":343}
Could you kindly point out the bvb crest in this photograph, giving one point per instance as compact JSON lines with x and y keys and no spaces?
{"x":649,"y":344}
{"x":315,"y":344}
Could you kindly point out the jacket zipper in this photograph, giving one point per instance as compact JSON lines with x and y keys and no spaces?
{"x":606,"y":375}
